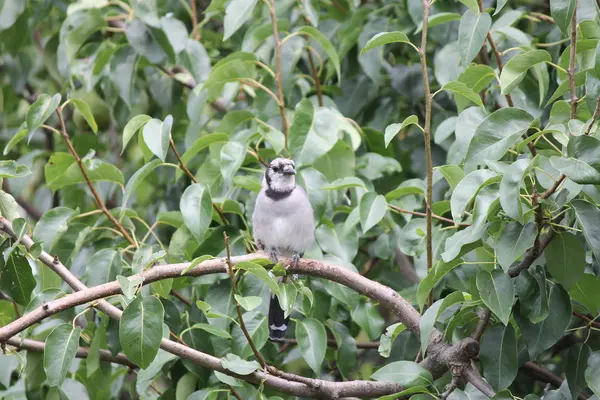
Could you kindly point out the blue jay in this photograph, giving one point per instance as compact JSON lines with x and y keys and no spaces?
{"x":284,"y":225}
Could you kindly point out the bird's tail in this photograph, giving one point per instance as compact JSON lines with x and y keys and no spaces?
{"x":278,"y":323}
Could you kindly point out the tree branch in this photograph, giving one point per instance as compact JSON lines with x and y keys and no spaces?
{"x":101,"y":205}
{"x":420,"y":214}
{"x":572,"y":55}
{"x":315,"y":75}
{"x":547,"y":376}
{"x":594,"y":117}
{"x":82,"y":352}
{"x":427,"y":138}
{"x":278,"y":81}
{"x":440,"y":353}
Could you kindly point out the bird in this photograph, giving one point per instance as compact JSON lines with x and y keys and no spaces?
{"x":283,"y":225}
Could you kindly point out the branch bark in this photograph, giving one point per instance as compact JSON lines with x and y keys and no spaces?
{"x":82,"y":352}
{"x":278,"y":81}
{"x":427,"y":138}
{"x":441,"y":354}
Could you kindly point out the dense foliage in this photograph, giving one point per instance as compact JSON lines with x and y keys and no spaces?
{"x":135,"y":135}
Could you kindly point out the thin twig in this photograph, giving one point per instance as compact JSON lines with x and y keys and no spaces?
{"x":427,"y":138}
{"x":195,"y":31}
{"x":481,"y":324}
{"x":235,"y":393}
{"x":453,"y":385}
{"x":238,"y":309}
{"x":82,"y":352}
{"x":590,"y":321}
{"x":572,"y":55}
{"x":594,"y":117}
{"x":100,"y":203}
{"x":278,"y":80}
{"x":193,"y":178}
{"x":553,"y":188}
{"x":420,"y":214}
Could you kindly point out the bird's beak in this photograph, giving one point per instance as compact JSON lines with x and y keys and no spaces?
{"x":289,"y":170}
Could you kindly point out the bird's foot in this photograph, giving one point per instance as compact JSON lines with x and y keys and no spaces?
{"x":295,"y":260}
{"x":273,"y":256}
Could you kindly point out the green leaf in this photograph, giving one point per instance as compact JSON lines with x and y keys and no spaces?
{"x":16,"y":278}
{"x":565,"y":259}
{"x":156,"y":136}
{"x":312,"y":340}
{"x":466,"y":190}
{"x":20,"y":135}
{"x":510,"y":189}
{"x":236,"y":13}
{"x":498,"y":356}
{"x":211,"y":329}
{"x":52,"y":226}
{"x":86,"y":112}
{"x":103,"y":267}
{"x":10,"y":169}
{"x":140,"y":330}
{"x":472,"y":4}
{"x":261,"y":273}
{"x":41,"y":110}
{"x":287,"y":297}
{"x":496,"y":134}
{"x":497,"y":291}
{"x":311,"y":134}
{"x":61,"y":348}
{"x":562,"y":12}
{"x":235,"y":364}
{"x":62,"y":170}
{"x":249,"y":303}
{"x":514,"y":241}
{"x":392,"y":130}
{"x":344,"y":183}
{"x":592,"y":373}
{"x":366,"y":315}
{"x":452,"y":173}
{"x":587,"y":216}
{"x":538,"y":337}
{"x":132,"y":127}
{"x":439,"y":270}
{"x":462,"y":89}
{"x":196,"y":261}
{"x":372,"y":209}
{"x":564,"y":86}
{"x":516,"y":68}
{"x":196,"y":208}
{"x":387,"y":338}
{"x":406,"y":373}
{"x":383,"y":38}
{"x":76,"y":29}
{"x":576,"y":170}
{"x":136,"y":179}
{"x":317,"y":36}
{"x":439,"y":19}
{"x":232,"y":157}
{"x":585,"y":291}
{"x":258,"y":329}
{"x":92,"y":362}
{"x":346,"y":351}
{"x":472,"y":31}
{"x":147,"y":42}
{"x":430,"y":317}
{"x":9,"y":12}
{"x":577,"y":360}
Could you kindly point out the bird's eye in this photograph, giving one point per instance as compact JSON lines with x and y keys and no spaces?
{"x":275,"y":169}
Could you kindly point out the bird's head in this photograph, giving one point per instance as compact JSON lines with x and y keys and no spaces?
{"x":280,"y":175}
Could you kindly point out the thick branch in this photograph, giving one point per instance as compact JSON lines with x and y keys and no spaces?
{"x":82,"y":352}
{"x":439,"y":351}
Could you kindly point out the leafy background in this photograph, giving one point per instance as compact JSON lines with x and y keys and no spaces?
{"x":171,"y":108}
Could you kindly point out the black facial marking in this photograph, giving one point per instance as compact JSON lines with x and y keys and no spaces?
{"x":277,"y":195}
